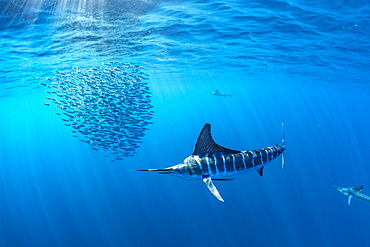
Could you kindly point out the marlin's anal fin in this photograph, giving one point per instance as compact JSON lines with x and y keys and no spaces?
{"x":208,"y":181}
{"x":349,"y":200}
{"x":260,"y":171}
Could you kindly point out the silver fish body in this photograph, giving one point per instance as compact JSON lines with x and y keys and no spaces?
{"x":211,"y":161}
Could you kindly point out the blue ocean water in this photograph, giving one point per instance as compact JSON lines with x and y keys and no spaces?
{"x":302,"y":61}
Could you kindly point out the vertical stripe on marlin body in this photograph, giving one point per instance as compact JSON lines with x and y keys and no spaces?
{"x":212,"y":161}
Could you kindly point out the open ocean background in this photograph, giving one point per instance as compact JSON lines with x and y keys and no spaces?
{"x":306,"y":62}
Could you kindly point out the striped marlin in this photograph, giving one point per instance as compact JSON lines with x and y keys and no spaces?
{"x":211,"y":161}
{"x":353,"y":192}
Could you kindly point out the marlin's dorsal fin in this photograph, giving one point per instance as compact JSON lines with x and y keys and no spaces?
{"x":358,"y":188}
{"x":205,"y":144}
{"x":208,"y":181}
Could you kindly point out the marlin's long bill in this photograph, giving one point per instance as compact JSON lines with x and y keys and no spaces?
{"x":353,"y":192}
{"x":155,"y":170}
{"x":212,"y":161}
{"x":161,"y":171}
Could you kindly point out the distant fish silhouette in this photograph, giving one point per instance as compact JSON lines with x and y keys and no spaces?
{"x":212,"y":161}
{"x":353,"y":192}
{"x":217,"y":93}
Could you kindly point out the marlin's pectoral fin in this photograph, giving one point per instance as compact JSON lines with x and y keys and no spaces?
{"x":349,"y":200}
{"x":208,"y":181}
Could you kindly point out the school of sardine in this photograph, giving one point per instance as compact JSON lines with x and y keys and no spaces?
{"x":107,"y":107}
